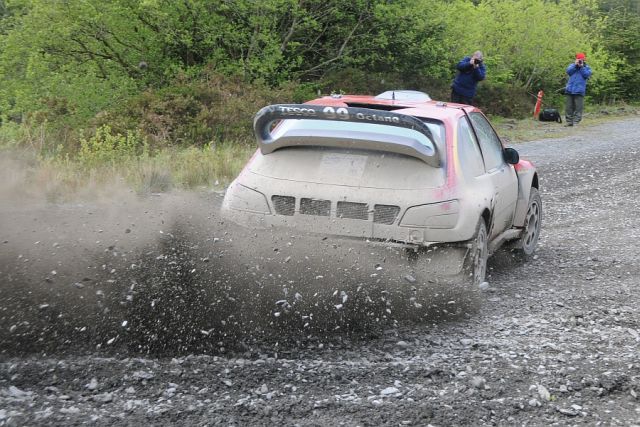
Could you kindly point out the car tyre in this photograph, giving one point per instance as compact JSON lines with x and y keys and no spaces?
{"x":526,"y":244}
{"x":479,"y":254}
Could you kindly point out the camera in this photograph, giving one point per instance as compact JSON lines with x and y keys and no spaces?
{"x":477,"y":61}
{"x":580,"y":62}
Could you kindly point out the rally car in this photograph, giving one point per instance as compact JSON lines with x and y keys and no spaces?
{"x":394,"y":169}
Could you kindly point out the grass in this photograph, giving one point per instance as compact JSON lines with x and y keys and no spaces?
{"x":516,"y":131}
{"x":188,"y":168}
{"x":107,"y":159}
{"x":63,"y":178}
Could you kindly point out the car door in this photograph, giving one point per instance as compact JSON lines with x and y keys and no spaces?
{"x":503,"y":176}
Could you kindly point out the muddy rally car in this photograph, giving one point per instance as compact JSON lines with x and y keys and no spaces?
{"x":431,"y":180}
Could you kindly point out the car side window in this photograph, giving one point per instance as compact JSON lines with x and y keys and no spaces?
{"x":489,"y":142}
{"x":468,"y":150}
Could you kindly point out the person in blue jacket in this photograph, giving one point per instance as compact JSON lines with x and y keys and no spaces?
{"x":471,"y":70}
{"x":579,"y":72}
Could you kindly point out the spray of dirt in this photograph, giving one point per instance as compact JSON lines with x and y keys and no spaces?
{"x":120,"y":272}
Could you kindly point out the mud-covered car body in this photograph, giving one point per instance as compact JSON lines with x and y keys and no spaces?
{"x":395,"y":168}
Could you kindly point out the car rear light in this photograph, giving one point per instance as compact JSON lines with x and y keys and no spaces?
{"x":246,"y":199}
{"x":433,"y":215}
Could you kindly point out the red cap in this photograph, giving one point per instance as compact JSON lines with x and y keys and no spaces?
{"x":580,"y":55}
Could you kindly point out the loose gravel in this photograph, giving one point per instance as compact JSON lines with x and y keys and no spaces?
{"x":554,"y":341}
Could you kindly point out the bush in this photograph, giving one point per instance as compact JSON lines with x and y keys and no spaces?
{"x":105,"y":148}
{"x":504,"y":100}
{"x":200,"y":110}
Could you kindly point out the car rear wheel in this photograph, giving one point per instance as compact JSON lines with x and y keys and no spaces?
{"x":479,"y":254}
{"x":533,"y":220}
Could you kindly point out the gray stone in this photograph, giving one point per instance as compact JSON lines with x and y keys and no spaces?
{"x":389,"y":391}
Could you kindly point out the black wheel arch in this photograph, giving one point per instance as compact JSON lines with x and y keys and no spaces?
{"x":534,"y":181}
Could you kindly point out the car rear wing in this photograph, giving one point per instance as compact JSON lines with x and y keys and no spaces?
{"x":402,"y":144}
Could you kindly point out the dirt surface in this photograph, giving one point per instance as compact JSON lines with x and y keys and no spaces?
{"x":154,"y":311}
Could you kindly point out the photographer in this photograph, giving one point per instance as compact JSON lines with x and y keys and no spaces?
{"x":579,"y":72}
{"x":470,"y":71}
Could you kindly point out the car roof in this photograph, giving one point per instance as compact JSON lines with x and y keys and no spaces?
{"x":423,"y":108}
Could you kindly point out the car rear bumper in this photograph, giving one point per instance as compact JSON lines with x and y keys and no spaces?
{"x":352,"y":220}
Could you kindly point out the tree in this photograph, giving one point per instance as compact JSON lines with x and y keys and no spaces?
{"x":619,"y":34}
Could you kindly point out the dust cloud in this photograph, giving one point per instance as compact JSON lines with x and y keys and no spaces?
{"x":113,"y":271}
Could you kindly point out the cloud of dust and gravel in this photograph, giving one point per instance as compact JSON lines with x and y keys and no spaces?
{"x":163,"y":273}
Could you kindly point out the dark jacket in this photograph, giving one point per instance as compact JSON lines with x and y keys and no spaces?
{"x":468,"y":77}
{"x":578,"y":76}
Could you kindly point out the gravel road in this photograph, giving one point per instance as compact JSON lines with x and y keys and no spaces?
{"x":555,"y":341}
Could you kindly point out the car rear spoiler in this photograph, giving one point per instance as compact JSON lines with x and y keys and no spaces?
{"x":262,"y":126}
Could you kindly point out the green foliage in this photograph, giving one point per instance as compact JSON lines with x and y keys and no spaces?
{"x":617,"y":33}
{"x":106,"y":148}
{"x":505,"y":100}
{"x":526,"y":43}
{"x":110,"y":80}
{"x":73,"y":53}
{"x":406,"y":38}
{"x":199,"y":110}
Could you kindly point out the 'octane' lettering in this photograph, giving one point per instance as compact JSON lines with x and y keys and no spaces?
{"x":377,"y":118}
